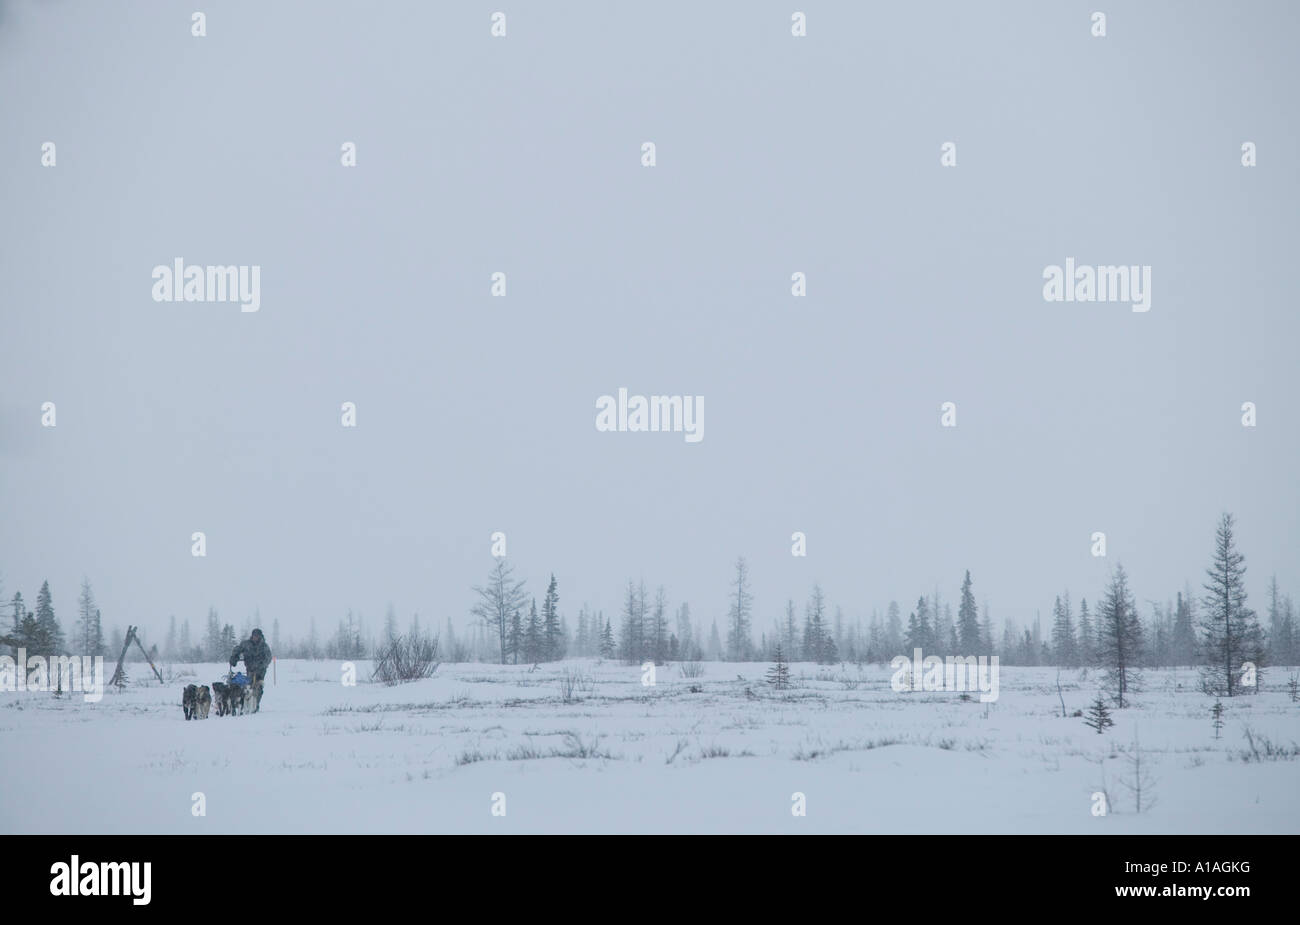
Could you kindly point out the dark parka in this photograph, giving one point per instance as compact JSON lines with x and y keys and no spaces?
{"x":256,"y":654}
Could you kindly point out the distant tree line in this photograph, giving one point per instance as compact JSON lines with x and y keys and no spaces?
{"x":1214,"y":630}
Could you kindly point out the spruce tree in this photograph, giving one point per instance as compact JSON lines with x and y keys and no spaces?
{"x":814,"y":632}
{"x":1100,"y":630}
{"x":213,"y":641}
{"x":1231,"y":635}
{"x":581,"y":644}
{"x":1183,"y":643}
{"x":919,"y":633}
{"x":607,"y":648}
{"x":632,"y":632}
{"x":1289,"y":638}
{"x":643,"y":621}
{"x":892,"y":640}
{"x":85,"y":625}
{"x":686,"y":633}
{"x":790,"y":636}
{"x":824,"y":642}
{"x":533,"y":637}
{"x":830,"y":652}
{"x":945,"y":631}
{"x":1008,"y":647}
{"x":1087,"y":636}
{"x":938,"y":625}
{"x":968,"y":627}
{"x":739,"y":639}
{"x":97,"y":635}
{"x":779,"y":674}
{"x":515,"y":638}
{"x":657,"y":629}
{"x":1121,"y":635}
{"x":31,"y":636}
{"x":1274,"y":619}
{"x":878,"y":637}
{"x":912,"y":637}
{"x":391,"y":631}
{"x":551,"y":636}
{"x":117,"y":641}
{"x":1098,"y":716}
{"x":1281,"y":627}
{"x":50,"y":639}
{"x":1065,"y":648}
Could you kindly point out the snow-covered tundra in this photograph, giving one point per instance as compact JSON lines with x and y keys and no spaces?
{"x":588,"y":746}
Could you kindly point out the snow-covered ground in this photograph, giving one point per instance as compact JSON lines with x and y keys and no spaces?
{"x":438,"y":755}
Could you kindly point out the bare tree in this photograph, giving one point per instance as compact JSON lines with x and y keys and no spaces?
{"x":1139,"y":781}
{"x":498,"y":599}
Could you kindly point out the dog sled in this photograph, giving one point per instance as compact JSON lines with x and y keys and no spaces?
{"x":236,"y":694}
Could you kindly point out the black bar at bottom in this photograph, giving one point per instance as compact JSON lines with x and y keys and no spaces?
{"x":215,"y":875}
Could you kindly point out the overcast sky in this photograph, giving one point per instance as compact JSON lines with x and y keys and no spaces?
{"x":522,"y":154}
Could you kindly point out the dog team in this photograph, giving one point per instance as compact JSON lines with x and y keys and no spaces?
{"x":196,"y":700}
{"x":232,"y":698}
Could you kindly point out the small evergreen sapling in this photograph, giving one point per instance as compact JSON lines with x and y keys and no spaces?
{"x":1217,"y":712}
{"x":779,"y":674}
{"x":1098,"y":716}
